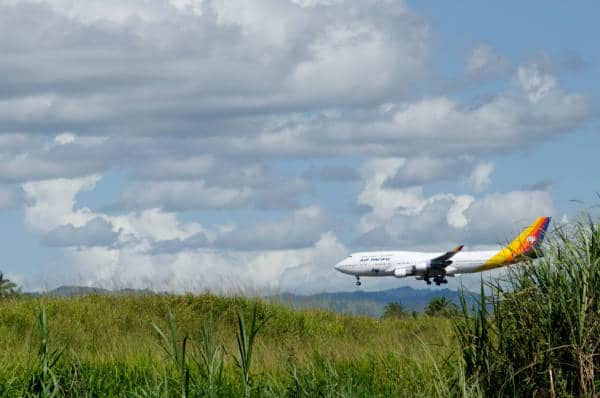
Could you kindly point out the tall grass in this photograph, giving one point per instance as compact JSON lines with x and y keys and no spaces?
{"x":176,"y":352}
{"x":43,"y":380}
{"x":158,"y":346}
{"x":209,"y":359}
{"x":245,"y":343}
{"x":538,"y":331}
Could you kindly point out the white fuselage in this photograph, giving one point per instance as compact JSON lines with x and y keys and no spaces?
{"x":408,"y":263}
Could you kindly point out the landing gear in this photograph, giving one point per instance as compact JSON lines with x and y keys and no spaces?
{"x":439,"y":280}
{"x":358,"y":281}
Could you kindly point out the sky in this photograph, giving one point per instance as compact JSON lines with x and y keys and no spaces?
{"x":248,"y":146}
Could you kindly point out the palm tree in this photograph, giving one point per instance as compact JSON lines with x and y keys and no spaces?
{"x":394,"y":310}
{"x":441,"y":306}
{"x":7,"y":288}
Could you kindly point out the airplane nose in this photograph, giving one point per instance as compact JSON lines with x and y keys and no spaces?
{"x":339,"y":266}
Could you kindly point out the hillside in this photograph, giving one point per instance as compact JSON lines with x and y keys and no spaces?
{"x":110,"y":347}
{"x":369,"y":303}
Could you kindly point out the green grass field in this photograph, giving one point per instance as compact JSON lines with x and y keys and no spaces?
{"x":111,"y":347}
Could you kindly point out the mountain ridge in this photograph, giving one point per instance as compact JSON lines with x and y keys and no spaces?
{"x":358,"y":302}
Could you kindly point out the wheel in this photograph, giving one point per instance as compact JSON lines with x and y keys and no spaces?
{"x":428,"y":282}
{"x":358,"y":283}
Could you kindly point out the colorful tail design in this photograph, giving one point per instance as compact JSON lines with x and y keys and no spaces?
{"x":523,"y":246}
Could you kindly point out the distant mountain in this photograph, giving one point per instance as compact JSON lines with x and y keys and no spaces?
{"x":356,"y":302}
{"x":369,"y":303}
{"x":74,"y":291}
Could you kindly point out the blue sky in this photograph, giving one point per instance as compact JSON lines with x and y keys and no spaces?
{"x":187,"y":145}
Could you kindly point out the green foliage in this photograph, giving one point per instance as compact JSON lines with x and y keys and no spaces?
{"x":394,"y":310}
{"x":7,"y":288}
{"x":204,"y":345}
{"x":538,"y":332}
{"x":43,"y":380}
{"x":209,"y":359}
{"x":176,"y":352}
{"x":441,"y":306}
{"x":245,"y":344}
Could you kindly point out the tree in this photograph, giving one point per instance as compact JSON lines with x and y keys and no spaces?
{"x":394,"y":310}
{"x":441,"y":306}
{"x":7,"y":288}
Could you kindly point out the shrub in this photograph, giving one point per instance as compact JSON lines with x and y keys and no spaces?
{"x":394,"y":310}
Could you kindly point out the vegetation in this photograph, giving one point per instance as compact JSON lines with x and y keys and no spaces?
{"x":7,"y":288}
{"x":394,"y":310}
{"x":538,"y":332}
{"x":207,"y":345}
{"x":441,"y":306}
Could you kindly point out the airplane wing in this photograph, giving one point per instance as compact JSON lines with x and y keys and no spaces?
{"x":444,"y":260}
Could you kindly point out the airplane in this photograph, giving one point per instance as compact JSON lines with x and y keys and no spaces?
{"x":437,"y":266}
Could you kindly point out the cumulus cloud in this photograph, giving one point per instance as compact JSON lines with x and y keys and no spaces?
{"x":424,"y":169}
{"x":52,"y":202}
{"x":300,"y":230}
{"x":406,"y":218}
{"x":96,"y":232}
{"x":480,"y":176}
{"x":448,"y":219}
{"x":152,"y":248}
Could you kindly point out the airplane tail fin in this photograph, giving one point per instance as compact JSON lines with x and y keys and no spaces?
{"x":523,"y":246}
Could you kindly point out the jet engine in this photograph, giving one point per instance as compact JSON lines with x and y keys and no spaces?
{"x":401,"y":272}
{"x":421,"y":268}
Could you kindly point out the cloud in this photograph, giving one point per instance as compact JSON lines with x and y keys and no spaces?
{"x":153,"y":249}
{"x":256,"y":272}
{"x":333,"y":173}
{"x":405,"y":218}
{"x":447,"y":219}
{"x":199,"y":92}
{"x":480,"y":176}
{"x":542,"y":185}
{"x":52,"y":202}
{"x":536,"y":84}
{"x":300,"y":230}
{"x":66,"y":156}
{"x":422,"y":170}
{"x":194,"y":242}
{"x":182,"y":195}
{"x":384,"y":201}
{"x":483,"y":61}
{"x":96,"y":232}
{"x":211,"y":67}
